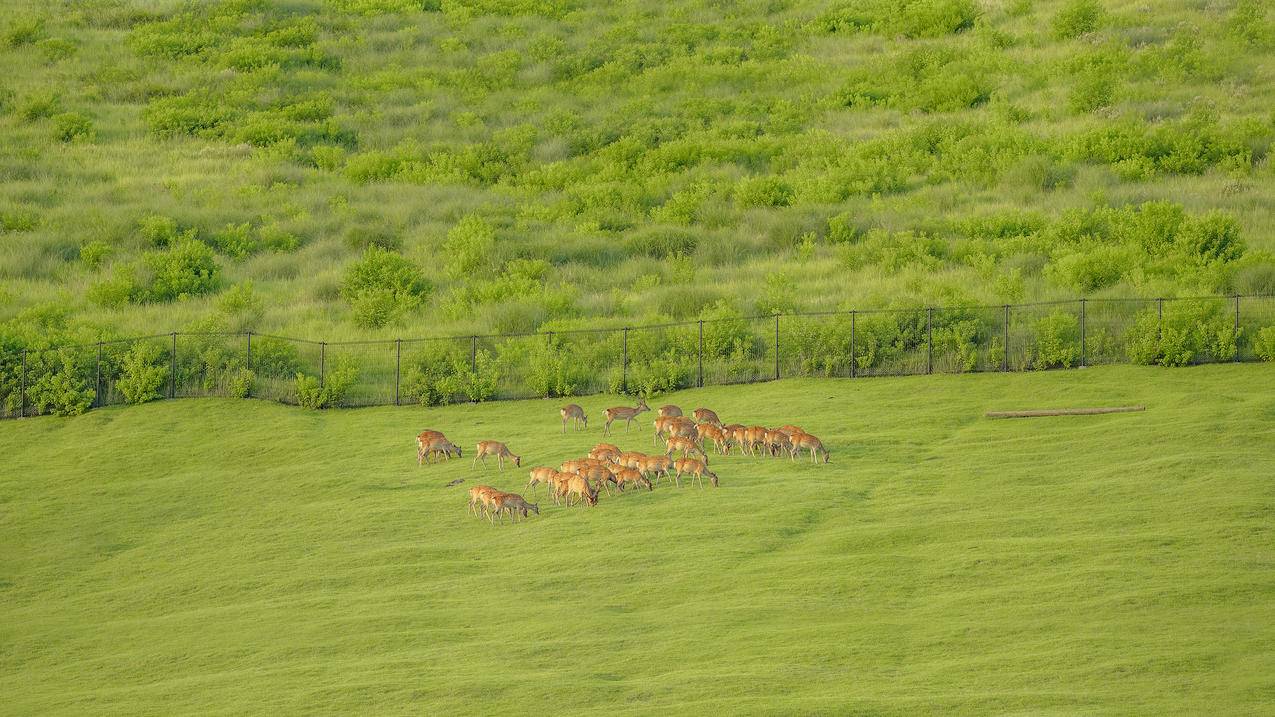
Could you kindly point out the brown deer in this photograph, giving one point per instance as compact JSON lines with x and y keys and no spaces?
{"x":478,"y":496}
{"x":608,"y":454}
{"x":754,"y":436}
{"x":578,"y":486}
{"x":778,"y":442}
{"x":735,"y":435}
{"x":805,"y":441}
{"x":669,"y":411}
{"x":623,"y":413}
{"x":631,"y":476}
{"x":686,"y":446}
{"x":514,"y":505}
{"x":656,"y":466}
{"x":712,"y":433}
{"x":607,"y":446}
{"x":631,"y":459}
{"x":572,"y":412}
{"x":697,"y":469}
{"x":599,"y":477}
{"x":539,"y":476}
{"x":790,"y":429}
{"x":557,"y":485}
{"x":497,"y":449}
{"x":434,"y":448}
{"x":704,"y":415}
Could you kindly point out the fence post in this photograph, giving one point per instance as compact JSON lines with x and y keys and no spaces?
{"x":929,"y":339}
{"x":398,"y":367}
{"x":248,"y":363}
{"x":701,"y":353}
{"x":1159,"y":326}
{"x":1005,"y":350}
{"x":853,"y":360}
{"x":776,"y":347}
{"x":97,"y":380}
{"x":172,"y":369}
{"x":1236,"y":332}
{"x":1082,"y":333}
{"x":473,"y":354}
{"x":22,"y":411}
{"x":323,"y":362}
{"x":624,"y":378}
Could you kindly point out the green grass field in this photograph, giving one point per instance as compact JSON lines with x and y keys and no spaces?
{"x":229,"y":557}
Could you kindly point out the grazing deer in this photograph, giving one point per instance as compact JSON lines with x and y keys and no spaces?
{"x":754,"y":436}
{"x":557,"y":485}
{"x":631,"y":459}
{"x":717,"y":436}
{"x":514,"y":505}
{"x":624,"y":413}
{"x":686,"y":446}
{"x":604,"y":454}
{"x":436,"y":447}
{"x":657,"y":466}
{"x":607,"y":447}
{"x":423,"y":439}
{"x":478,"y":497}
{"x":704,"y":415}
{"x":697,"y":469}
{"x":578,"y":486}
{"x":539,"y":476}
{"x":735,"y":435}
{"x":777,"y":441}
{"x":669,"y":411}
{"x":631,"y":476}
{"x":674,"y":426}
{"x":599,"y":477}
{"x":805,"y":441}
{"x":497,"y":449}
{"x":572,"y":412}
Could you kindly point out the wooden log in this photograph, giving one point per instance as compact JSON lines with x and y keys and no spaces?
{"x":1064,"y":412}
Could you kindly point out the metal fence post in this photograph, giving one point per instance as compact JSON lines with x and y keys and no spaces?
{"x":172,"y":369}
{"x":323,"y":362}
{"x":473,"y":354}
{"x":248,"y":362}
{"x":624,"y":379}
{"x":853,"y":359}
{"x":1236,"y":332}
{"x":1005,"y":349}
{"x":701,"y":353}
{"x":97,"y":380}
{"x":398,"y":367}
{"x":776,"y":347}
{"x":929,"y":339}
{"x":22,"y":411}
{"x":1082,"y":333}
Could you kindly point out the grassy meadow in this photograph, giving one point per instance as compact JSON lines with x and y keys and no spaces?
{"x":230,"y":557}
{"x":344,"y":169}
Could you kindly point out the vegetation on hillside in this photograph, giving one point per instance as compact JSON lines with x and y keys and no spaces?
{"x":421,"y":167}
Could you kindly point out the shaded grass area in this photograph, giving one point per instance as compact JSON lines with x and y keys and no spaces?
{"x":227,"y":557}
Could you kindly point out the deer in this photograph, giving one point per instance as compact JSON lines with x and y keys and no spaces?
{"x":669,"y":411}
{"x":498,"y":449}
{"x":478,"y":498}
{"x":514,"y":505}
{"x":753,"y":436}
{"x":655,"y":466}
{"x":607,"y":447}
{"x":674,"y":426}
{"x":685,"y":445}
{"x":777,"y":441}
{"x":717,"y":436}
{"x":557,"y":485}
{"x":631,"y":476}
{"x":630,"y":459}
{"x":623,"y":413}
{"x":805,"y":441}
{"x":735,"y":434}
{"x":539,"y":476}
{"x":607,"y":454}
{"x":599,"y":477}
{"x":790,"y":429}
{"x":578,"y":486}
{"x":572,"y":412}
{"x":705,"y":415}
{"x":435,"y":447}
{"x":697,"y":469}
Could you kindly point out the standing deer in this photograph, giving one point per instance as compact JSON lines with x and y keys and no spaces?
{"x":539,"y":476}
{"x":669,"y":411}
{"x":704,"y":415}
{"x":498,"y":449}
{"x":478,"y":496}
{"x":578,"y":486}
{"x":514,"y":505}
{"x":656,"y":466}
{"x":712,"y":433}
{"x":686,"y":446}
{"x":754,"y":437}
{"x":631,"y":476}
{"x":697,"y":469}
{"x":572,"y":412}
{"x":624,"y":413}
{"x":599,"y":477}
{"x":805,"y":441}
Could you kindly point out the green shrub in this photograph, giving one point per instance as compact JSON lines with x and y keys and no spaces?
{"x":550,"y":372}
{"x":662,"y":242}
{"x":935,"y":18}
{"x":1214,"y":237}
{"x":383,"y":285}
{"x":469,"y":246}
{"x":327,"y":157}
{"x":274,"y":358}
{"x":143,"y":373}
{"x":119,"y":289}
{"x":241,"y":382}
{"x":73,"y":127}
{"x":1190,"y":332}
{"x":18,"y":220}
{"x":235,"y":240}
{"x":241,"y":306}
{"x":40,"y":105}
{"x":1057,"y":341}
{"x":94,"y":253}
{"x":184,"y":270}
{"x":1078,"y":17}
{"x":1264,"y":343}
{"x":23,"y":30}
{"x":763,"y":192}
{"x":340,"y":377}
{"x":58,"y":385}
{"x":162,"y":231}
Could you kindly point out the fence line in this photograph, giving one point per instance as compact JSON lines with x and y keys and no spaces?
{"x":638,"y":359}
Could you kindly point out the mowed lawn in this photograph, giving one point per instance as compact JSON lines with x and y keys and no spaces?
{"x":231,"y":557}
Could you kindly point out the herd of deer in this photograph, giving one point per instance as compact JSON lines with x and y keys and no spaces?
{"x":579,"y":481}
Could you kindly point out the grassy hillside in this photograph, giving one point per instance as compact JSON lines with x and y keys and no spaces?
{"x":346,"y":168}
{"x":220,"y":557}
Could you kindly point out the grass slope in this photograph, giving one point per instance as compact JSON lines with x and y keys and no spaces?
{"x":219,"y":557}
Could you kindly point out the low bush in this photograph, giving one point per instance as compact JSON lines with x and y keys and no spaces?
{"x":1057,"y":341}
{"x":57,"y":384}
{"x":1264,"y":343}
{"x":469,"y":246}
{"x":73,"y":127}
{"x":1077,"y":17}
{"x":1190,"y":332}
{"x":163,"y":231}
{"x":381,"y":286}
{"x":143,"y":373}
{"x":184,"y":270}
{"x":340,"y":377}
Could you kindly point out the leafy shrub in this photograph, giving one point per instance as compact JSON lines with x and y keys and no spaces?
{"x":1092,"y":267}
{"x":361,"y":237}
{"x":327,"y":157}
{"x":40,"y":105}
{"x":117,"y":290}
{"x":241,"y":305}
{"x":1214,"y":237}
{"x":662,"y":242}
{"x":1189,"y":333}
{"x":763,"y":192}
{"x":338,"y":380}
{"x":1077,"y":17}
{"x":235,"y":240}
{"x":73,"y":127}
{"x":551,"y":372}
{"x":23,"y":30}
{"x":382,"y":285}
{"x":935,"y":18}
{"x":94,"y":253}
{"x":274,"y":357}
{"x":241,"y":382}
{"x":469,"y":246}
{"x":1264,"y":343}
{"x":186,"y":269}
{"x":58,"y":385}
{"x":656,"y":376}
{"x":1057,"y":337}
{"x":142,"y":373}
{"x":56,"y":48}
{"x":162,"y":231}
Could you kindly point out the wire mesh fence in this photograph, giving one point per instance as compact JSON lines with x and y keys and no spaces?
{"x":641,"y":359}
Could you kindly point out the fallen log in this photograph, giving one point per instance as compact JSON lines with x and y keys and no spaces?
{"x":1064,"y":412}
